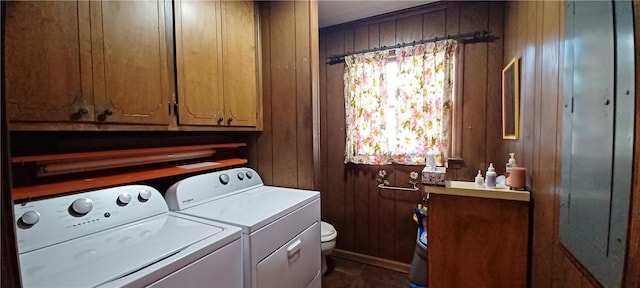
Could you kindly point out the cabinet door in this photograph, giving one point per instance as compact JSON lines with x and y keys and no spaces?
{"x":598,"y":131}
{"x":199,"y":62}
{"x":239,"y":56}
{"x":47,"y":61}
{"x":130,"y":62}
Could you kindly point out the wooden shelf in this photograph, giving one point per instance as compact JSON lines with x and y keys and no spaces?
{"x":29,"y":192}
{"x":122,"y":153}
{"x":69,"y":163}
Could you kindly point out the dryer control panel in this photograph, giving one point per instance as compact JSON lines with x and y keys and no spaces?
{"x":46,"y":222}
{"x":207,"y":187}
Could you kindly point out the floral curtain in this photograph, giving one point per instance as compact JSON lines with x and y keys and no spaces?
{"x":425,"y":94}
{"x":365,"y":93}
{"x":422,"y":104}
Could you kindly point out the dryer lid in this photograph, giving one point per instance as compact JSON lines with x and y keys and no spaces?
{"x":102,"y":257}
{"x":254,"y":208}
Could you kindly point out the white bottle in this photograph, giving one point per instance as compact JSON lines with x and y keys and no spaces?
{"x":510,"y":164}
{"x":491,"y":177}
{"x":479,"y":179}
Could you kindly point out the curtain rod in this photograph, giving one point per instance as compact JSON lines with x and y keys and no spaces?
{"x":476,"y":36}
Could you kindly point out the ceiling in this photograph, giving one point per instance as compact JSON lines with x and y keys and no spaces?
{"x":332,"y":12}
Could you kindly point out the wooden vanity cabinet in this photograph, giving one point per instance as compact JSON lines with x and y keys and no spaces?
{"x":478,"y":237}
{"x":216,"y":64}
{"x":86,"y":61}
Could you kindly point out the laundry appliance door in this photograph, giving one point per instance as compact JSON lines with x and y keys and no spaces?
{"x":295,"y":264}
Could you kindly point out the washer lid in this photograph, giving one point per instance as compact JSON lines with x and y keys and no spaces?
{"x":102,"y":257}
{"x":327,"y":232}
{"x":254,"y":208}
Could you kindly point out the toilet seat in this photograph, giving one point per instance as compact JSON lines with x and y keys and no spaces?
{"x":327,"y":232}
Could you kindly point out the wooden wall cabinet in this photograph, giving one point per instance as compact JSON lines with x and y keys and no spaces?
{"x":130,"y":59}
{"x":87,"y":61}
{"x":216,"y":63}
{"x":47,"y":61}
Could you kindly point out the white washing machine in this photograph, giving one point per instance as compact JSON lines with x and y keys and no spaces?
{"x":123,"y":237}
{"x":280,"y":226}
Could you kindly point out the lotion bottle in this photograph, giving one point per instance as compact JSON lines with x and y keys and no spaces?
{"x":491,"y":177}
{"x":510,"y":164}
{"x":479,"y":179}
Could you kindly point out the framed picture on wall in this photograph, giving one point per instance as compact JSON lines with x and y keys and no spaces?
{"x":511,"y":99}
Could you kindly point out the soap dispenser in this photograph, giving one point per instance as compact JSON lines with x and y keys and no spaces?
{"x":479,"y":179}
{"x":491,"y":177}
{"x":510,"y":164}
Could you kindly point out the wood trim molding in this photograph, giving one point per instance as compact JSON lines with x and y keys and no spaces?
{"x":374,"y":261}
{"x":315,"y":90}
{"x":585,"y":273}
{"x":631,"y":274}
{"x":455,"y":147}
{"x":259,"y":68}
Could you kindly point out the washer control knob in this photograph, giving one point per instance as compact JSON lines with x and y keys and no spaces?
{"x":144,"y":195}
{"x":249,"y":174}
{"x":124,"y":198}
{"x":30,"y":217}
{"x":240,"y":176}
{"x":82,"y":206}
{"x":224,"y":179}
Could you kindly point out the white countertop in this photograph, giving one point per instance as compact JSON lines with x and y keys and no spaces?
{"x":462,"y":188}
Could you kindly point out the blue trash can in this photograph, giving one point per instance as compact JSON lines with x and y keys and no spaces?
{"x":418,"y":274}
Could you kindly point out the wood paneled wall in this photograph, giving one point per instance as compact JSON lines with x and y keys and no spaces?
{"x":377,"y":222}
{"x":534,"y":31}
{"x":9,"y":267}
{"x":283,"y":153}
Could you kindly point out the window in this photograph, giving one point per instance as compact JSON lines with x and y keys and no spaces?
{"x":398,"y":108}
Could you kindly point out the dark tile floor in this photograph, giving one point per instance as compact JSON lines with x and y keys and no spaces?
{"x":345,"y":273}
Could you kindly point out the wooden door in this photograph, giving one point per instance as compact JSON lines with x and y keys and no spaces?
{"x":130,"y":62}
{"x":47,"y":61}
{"x":199,"y":62}
{"x":239,"y":56}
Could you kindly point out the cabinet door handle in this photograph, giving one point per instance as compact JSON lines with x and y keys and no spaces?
{"x":229,"y":120}
{"x":102,"y":117}
{"x":81,"y":112}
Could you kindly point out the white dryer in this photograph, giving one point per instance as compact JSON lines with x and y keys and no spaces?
{"x":280,"y":226}
{"x":123,"y":237}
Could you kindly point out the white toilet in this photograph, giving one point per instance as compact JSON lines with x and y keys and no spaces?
{"x":328,"y":236}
